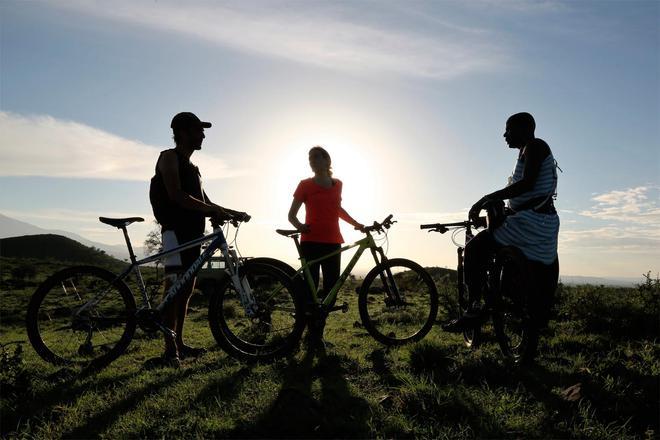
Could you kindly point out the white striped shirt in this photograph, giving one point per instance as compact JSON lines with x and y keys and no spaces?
{"x":535,"y":234}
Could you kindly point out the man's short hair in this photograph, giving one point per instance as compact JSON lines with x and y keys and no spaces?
{"x":524,"y":121}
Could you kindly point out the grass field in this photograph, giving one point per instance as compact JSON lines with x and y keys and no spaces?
{"x":597,"y":377}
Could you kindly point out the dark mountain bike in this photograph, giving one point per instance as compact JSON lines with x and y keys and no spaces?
{"x":508,"y":297}
{"x":87,"y":315}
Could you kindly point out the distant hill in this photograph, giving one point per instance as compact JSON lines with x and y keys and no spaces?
{"x":56,"y":247}
{"x":10,"y":227}
{"x":438,"y":273}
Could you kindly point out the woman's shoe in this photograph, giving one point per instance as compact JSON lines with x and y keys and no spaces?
{"x":187,"y":352}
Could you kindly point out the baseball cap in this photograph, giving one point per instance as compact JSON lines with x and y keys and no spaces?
{"x":187,"y":120}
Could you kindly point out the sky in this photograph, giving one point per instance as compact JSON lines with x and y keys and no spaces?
{"x":409,"y":97}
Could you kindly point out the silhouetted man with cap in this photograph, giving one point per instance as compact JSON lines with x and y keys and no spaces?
{"x":180,"y":206}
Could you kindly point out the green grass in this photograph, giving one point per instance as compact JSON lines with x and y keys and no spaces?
{"x":602,"y":339}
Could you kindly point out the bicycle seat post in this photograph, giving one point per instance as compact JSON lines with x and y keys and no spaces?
{"x":297,"y":242}
{"x":128,"y":244}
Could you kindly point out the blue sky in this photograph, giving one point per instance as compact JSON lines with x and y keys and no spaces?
{"x":410,"y":98}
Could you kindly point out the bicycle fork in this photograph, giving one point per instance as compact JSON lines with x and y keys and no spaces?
{"x":387,"y":279}
{"x":241,"y":284}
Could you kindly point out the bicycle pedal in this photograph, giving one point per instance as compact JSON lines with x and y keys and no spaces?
{"x":343,"y":308}
{"x":166,"y":331}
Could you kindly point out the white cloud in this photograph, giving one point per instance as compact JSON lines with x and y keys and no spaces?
{"x":45,"y":146}
{"x":631,"y":227}
{"x":330,"y":35}
{"x":639,"y":206}
{"x":612,"y":239}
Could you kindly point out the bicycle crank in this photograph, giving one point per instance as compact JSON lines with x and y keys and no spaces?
{"x":343,"y":307}
{"x":149,"y":321}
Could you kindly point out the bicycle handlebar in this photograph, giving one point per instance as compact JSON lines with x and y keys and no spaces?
{"x":234,"y":220}
{"x":378,"y":227}
{"x":444,"y":227}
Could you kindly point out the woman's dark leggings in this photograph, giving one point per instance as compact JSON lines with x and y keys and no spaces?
{"x":312,"y":250}
{"x":475,"y":261}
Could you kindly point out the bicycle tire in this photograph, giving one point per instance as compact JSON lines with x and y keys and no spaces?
{"x":395,"y":323}
{"x":298,"y":280}
{"x":278,"y":325}
{"x":514,"y":326}
{"x":52,"y":309}
{"x":279,"y":264}
{"x":472,"y":337}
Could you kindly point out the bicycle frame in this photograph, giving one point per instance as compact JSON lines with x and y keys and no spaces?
{"x":362,"y":245}
{"x":218,"y":241}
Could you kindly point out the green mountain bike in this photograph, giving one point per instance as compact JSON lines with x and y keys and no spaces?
{"x":398,"y":300}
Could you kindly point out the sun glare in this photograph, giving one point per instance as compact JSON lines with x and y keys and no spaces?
{"x":350,"y":164}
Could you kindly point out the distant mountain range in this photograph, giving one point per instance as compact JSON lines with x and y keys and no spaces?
{"x":10,"y":227}
{"x":597,"y":281}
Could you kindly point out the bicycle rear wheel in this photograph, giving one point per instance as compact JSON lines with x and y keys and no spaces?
{"x":514,"y":326}
{"x":82,"y":316}
{"x":275,"y":326}
{"x":398,"y":302}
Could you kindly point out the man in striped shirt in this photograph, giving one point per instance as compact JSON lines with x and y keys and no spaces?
{"x":532,"y":225}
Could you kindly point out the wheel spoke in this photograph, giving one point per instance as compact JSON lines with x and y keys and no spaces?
{"x":271,"y":329}
{"x":62,"y":333}
{"x":406,"y":318}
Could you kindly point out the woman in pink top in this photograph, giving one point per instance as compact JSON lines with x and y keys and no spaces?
{"x":321,"y":195}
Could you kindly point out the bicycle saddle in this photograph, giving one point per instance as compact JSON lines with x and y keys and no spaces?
{"x":120,"y":222}
{"x":287,"y":232}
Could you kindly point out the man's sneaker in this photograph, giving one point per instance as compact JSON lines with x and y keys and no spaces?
{"x":468,"y":321}
{"x":187,"y":352}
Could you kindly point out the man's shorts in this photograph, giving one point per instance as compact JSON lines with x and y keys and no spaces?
{"x":180,"y":261}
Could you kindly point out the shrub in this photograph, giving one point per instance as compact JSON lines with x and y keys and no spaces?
{"x":618,"y":312}
{"x":15,"y":384}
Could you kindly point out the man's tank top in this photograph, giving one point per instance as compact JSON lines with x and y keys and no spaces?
{"x":170,"y":215}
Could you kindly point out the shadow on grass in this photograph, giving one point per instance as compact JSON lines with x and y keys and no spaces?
{"x":225,"y":388}
{"x":98,"y":423}
{"x":69,"y":386}
{"x":382,"y":368}
{"x":297,"y":413}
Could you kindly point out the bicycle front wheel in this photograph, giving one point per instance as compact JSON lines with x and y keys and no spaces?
{"x":398,"y":302}
{"x":270,"y":328}
{"x":81,"y":316}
